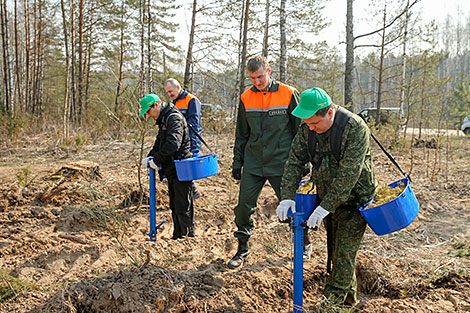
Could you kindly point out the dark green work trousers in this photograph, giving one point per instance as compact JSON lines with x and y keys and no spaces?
{"x":250,"y":189}
{"x":347,"y":230}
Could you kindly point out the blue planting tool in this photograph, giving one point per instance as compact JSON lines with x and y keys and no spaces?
{"x":298,"y":225}
{"x":152,"y":208}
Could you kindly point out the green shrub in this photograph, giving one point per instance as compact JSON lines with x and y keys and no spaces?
{"x":10,"y":286}
{"x":24,"y":176}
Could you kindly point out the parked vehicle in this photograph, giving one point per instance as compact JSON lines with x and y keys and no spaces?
{"x":466,"y":126}
{"x":387,"y":115}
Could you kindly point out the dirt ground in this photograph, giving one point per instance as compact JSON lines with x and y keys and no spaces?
{"x":76,"y":241}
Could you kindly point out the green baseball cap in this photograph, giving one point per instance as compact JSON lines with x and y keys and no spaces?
{"x":311,"y":100}
{"x":147,"y":102}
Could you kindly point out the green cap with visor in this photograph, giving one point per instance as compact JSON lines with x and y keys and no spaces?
{"x":311,"y":100}
{"x":147,"y":102}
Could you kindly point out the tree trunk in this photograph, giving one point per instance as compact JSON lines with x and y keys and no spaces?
{"x":403,"y":72}
{"x":142,"y":44}
{"x":67,"y":73}
{"x":17,"y":60}
{"x":165,"y":70}
{"x":149,"y":49}
{"x":423,"y":84}
{"x":349,"y":66}
{"x":80,"y":61}
{"x":266,"y":31}
{"x":35,"y":59}
{"x":283,"y":52}
{"x":240,"y":69}
{"x":381,"y":69}
{"x":244,"y":43}
{"x":27,"y":84}
{"x":121,"y":62}
{"x":189,"y":58}
{"x":73,"y":108}
{"x":436,"y":164}
{"x":6,"y":59}
{"x":89,"y":52}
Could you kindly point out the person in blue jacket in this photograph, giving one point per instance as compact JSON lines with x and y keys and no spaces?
{"x":190,"y":106}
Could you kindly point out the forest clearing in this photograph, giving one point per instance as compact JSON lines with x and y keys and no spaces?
{"x":74,"y":197}
{"x":76,"y":241}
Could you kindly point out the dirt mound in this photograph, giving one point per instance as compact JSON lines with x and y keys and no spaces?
{"x":149,"y":289}
{"x":453,"y":280}
{"x":380,"y":277}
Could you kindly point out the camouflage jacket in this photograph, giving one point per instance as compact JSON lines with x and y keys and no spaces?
{"x":351,"y":181}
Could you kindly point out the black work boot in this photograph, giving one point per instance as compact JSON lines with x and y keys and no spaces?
{"x":196,"y":193}
{"x":240,"y":256}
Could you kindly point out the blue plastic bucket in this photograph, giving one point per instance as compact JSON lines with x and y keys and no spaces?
{"x":197,"y":167}
{"x":303,"y":203}
{"x":393,"y":215}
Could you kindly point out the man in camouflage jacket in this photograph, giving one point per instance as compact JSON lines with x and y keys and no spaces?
{"x":344,"y":182}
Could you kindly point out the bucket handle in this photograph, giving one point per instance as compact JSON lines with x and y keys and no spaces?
{"x":388,"y":154}
{"x":199,"y":136}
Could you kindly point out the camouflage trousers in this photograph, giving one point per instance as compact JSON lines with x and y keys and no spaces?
{"x":250,"y":189}
{"x":347,"y":230}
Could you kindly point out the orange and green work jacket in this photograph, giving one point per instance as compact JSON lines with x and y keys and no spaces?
{"x":265,"y":129}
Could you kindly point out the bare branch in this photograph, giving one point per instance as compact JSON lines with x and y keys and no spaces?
{"x":389,"y":24}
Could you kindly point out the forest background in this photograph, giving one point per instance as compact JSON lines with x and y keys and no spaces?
{"x":76,"y":68}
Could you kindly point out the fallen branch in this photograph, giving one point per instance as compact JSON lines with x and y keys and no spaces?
{"x":74,"y":238}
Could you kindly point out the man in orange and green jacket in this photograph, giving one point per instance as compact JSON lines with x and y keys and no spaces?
{"x":264,"y":132}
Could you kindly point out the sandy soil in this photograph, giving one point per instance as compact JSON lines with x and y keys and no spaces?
{"x":81,"y":243}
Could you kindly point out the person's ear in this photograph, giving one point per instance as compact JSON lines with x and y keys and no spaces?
{"x":330,"y":112}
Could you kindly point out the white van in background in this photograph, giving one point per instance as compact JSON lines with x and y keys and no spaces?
{"x":466,"y":126}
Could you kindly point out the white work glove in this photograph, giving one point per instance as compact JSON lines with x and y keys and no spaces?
{"x":314,"y":221}
{"x":153,"y":165}
{"x":148,"y":161}
{"x":283,"y":207}
{"x":145,"y":161}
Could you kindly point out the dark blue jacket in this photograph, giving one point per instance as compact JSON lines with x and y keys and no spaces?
{"x":190,"y":106}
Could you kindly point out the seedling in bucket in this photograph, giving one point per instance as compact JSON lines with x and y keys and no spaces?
{"x":395,"y":214}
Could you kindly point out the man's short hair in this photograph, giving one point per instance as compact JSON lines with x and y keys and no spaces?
{"x":173,"y":82}
{"x":255,"y":63}
{"x":322,"y":112}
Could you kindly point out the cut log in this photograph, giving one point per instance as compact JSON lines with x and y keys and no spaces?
{"x":84,"y":168}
